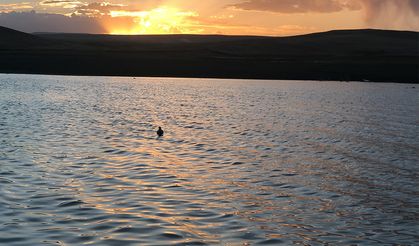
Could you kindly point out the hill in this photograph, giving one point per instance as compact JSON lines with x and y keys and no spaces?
{"x":14,"y":39}
{"x":361,"y":55}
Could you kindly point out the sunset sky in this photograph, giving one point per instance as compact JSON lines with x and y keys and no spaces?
{"x":238,"y":17}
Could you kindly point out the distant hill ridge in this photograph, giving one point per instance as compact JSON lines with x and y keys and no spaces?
{"x":13,"y":38}
{"x":360,"y":55}
{"x":9,"y":35}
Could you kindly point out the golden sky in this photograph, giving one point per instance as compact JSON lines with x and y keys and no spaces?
{"x":237,"y":17}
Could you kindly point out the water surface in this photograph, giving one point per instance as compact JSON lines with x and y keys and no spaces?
{"x":242,"y":162}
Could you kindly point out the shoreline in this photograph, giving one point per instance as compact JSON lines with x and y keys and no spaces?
{"x":215,"y":77}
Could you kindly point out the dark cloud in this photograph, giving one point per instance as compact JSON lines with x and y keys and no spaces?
{"x":66,"y":4}
{"x":40,"y":22}
{"x":54,"y":2}
{"x":389,"y":14}
{"x":377,"y":7}
{"x":298,"y":6}
{"x":392,"y":13}
{"x":415,"y":5}
{"x":373,"y":8}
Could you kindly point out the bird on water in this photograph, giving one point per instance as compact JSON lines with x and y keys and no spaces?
{"x":160,"y":132}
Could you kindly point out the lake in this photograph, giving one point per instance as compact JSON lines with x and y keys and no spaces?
{"x":242,"y":162}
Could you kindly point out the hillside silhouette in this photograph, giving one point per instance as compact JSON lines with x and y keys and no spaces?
{"x":10,"y":38}
{"x":345,"y":55}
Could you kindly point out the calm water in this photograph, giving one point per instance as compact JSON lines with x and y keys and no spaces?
{"x":241,"y":163}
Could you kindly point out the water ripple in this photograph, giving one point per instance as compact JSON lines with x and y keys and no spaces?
{"x":241,"y":162}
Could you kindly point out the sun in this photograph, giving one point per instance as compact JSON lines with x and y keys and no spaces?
{"x":162,"y":20}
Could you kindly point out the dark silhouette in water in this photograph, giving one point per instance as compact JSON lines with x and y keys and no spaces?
{"x":160,"y":132}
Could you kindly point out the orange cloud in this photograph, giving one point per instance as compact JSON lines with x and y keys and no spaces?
{"x":298,"y":6}
{"x":162,"y":20}
{"x":6,"y":8}
{"x":242,"y":17}
{"x":98,"y":8}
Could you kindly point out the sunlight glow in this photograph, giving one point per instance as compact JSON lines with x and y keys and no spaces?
{"x":162,"y":20}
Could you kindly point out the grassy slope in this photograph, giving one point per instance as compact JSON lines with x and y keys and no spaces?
{"x":373,"y":55}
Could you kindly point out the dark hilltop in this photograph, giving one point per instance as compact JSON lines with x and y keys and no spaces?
{"x":346,"y":55}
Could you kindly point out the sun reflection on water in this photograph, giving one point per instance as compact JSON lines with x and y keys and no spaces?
{"x":280,"y":167}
